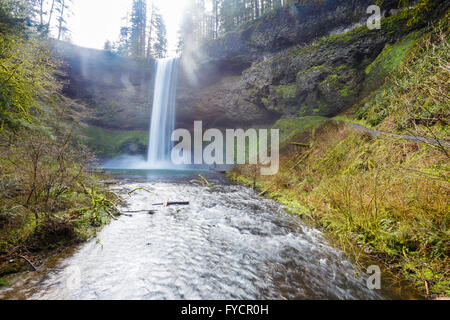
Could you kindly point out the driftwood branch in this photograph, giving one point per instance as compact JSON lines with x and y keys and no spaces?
{"x":206,"y":182}
{"x":137,"y":211}
{"x":30,"y":263}
{"x":137,"y":189}
{"x":111,"y":215}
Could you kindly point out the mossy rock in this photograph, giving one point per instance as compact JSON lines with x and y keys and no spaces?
{"x":388,"y":61}
{"x":287,"y":92}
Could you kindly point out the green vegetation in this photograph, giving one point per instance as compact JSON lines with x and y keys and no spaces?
{"x":287,"y":92}
{"x":47,"y":198}
{"x":293,"y":127}
{"x":397,"y":25}
{"x":110,"y":143}
{"x":388,"y":61}
{"x":387,"y":195}
{"x":414,"y":99}
{"x":334,"y":83}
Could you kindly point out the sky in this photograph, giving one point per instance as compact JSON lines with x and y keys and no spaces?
{"x":93,"y":22}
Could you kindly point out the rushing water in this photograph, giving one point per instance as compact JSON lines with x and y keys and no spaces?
{"x":162,"y":123}
{"x":229,"y":243}
{"x":163,"y":115}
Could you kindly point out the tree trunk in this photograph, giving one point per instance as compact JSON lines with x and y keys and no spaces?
{"x":150,"y":33}
{"x":61,"y":19}
{"x":144,"y":29}
{"x":216,"y":15}
{"x":41,"y":12}
{"x":50,"y":14}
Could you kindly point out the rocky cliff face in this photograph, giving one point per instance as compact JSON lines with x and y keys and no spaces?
{"x":296,"y":61}
{"x":288,"y":26}
{"x":289,"y":62}
{"x":116,"y":91}
{"x":308,"y":59}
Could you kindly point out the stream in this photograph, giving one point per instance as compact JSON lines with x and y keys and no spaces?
{"x":229,"y":243}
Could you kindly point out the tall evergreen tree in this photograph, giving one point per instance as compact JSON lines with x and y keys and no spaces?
{"x":159,"y":49}
{"x":138,"y":33}
{"x":151,"y":29}
{"x":62,"y":9}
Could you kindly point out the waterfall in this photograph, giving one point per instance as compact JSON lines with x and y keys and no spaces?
{"x":162,"y":122}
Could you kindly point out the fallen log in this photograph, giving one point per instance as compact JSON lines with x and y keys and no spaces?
{"x":126,"y":214}
{"x":166,"y":204}
{"x":138,"y":211}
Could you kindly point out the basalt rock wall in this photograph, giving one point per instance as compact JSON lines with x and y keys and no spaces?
{"x":299,"y":60}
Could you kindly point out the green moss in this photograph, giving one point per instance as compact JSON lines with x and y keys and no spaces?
{"x":305,"y":73}
{"x":412,"y":69}
{"x":344,"y":38}
{"x":321,"y":67}
{"x":291,"y":127}
{"x":322,"y":107}
{"x":111,"y":143}
{"x":331,"y":80}
{"x":287,"y":92}
{"x":5,"y":282}
{"x":251,"y":91}
{"x":391,"y":57}
{"x":394,"y":26}
{"x":344,"y":91}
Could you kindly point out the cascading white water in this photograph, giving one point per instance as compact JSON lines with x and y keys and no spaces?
{"x":162,"y":121}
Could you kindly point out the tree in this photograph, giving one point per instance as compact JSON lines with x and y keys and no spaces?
{"x":233,"y":13}
{"x":256,"y":8}
{"x":50,"y":15}
{"x":44,"y":9}
{"x":27,"y":66}
{"x":216,"y":5}
{"x":150,"y":29}
{"x":143,"y":33}
{"x":123,"y":45}
{"x":138,"y":28}
{"x":159,"y":49}
{"x":108,"y":46}
{"x":62,"y":9}
{"x":199,"y":24}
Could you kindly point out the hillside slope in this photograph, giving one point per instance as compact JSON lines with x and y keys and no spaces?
{"x":385,"y":194}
